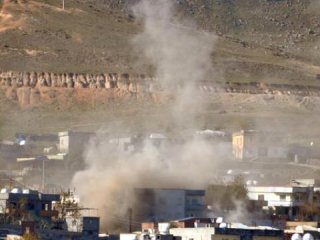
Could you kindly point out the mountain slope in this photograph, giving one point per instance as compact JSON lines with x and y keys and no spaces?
{"x":259,"y":40}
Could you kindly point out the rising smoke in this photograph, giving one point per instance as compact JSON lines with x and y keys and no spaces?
{"x":181,"y":56}
{"x":180,"y":53}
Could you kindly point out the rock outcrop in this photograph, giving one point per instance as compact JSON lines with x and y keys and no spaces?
{"x":31,"y":88}
{"x":123,"y":81}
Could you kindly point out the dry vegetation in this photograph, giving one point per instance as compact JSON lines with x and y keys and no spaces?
{"x":259,"y":41}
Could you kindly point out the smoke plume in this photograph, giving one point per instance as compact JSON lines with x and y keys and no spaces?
{"x":181,"y":56}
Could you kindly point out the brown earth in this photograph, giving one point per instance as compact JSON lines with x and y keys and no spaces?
{"x":269,"y":48}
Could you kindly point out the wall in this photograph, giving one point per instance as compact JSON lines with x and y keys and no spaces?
{"x":225,"y":237}
{"x":255,"y":144}
{"x":169,"y":204}
{"x":193,"y":233}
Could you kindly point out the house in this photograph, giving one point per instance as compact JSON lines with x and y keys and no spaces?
{"x":9,"y":151}
{"x":167,"y":204}
{"x":126,"y":144}
{"x":202,"y":233}
{"x":41,"y":211}
{"x":84,"y":224}
{"x":20,"y":203}
{"x":224,"y":231}
{"x":286,"y":201}
{"x":135,"y":143}
{"x":252,"y":145}
{"x":189,"y":222}
{"x":70,"y":141}
{"x":72,"y":144}
{"x":247,"y":233}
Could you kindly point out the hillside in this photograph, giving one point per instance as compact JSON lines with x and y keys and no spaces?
{"x":259,"y":42}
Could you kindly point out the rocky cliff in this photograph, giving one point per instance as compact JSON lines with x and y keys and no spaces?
{"x":35,"y":88}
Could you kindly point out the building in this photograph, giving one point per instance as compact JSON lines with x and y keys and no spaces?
{"x":135,"y":143}
{"x":24,"y":203}
{"x":166,"y":204}
{"x":88,"y":231}
{"x":247,"y":233}
{"x":73,"y":144}
{"x":202,"y":233}
{"x":38,"y":213}
{"x":70,"y":142}
{"x":9,"y":151}
{"x":189,"y":222}
{"x":302,"y":230}
{"x":225,"y":231}
{"x":86,"y":225}
{"x":287,"y":201}
{"x":252,"y":145}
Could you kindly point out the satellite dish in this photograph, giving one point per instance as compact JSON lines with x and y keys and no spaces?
{"x":307,"y":236}
{"x":224,"y":225}
{"x":296,"y":236}
{"x":4,"y":190}
{"x":219,"y":220}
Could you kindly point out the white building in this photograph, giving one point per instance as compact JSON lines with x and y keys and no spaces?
{"x":286,"y":200}
{"x":193,"y":233}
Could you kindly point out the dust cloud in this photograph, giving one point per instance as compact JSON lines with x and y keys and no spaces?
{"x":181,"y":56}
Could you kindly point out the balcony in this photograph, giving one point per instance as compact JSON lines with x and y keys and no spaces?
{"x":49,"y":213}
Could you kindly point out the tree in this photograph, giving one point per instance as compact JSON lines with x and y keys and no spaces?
{"x":224,"y":197}
{"x":308,"y":211}
{"x":29,"y":236}
{"x":68,"y":206}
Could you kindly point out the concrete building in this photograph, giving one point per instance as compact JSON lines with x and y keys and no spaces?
{"x":247,"y":233}
{"x":88,"y":231}
{"x":203,"y":233}
{"x":9,"y":151}
{"x":86,"y":225}
{"x":126,"y":144}
{"x":167,"y":204}
{"x":252,"y":145}
{"x":190,"y":222}
{"x":228,"y":232}
{"x":130,"y":144}
{"x":21,"y":203}
{"x":73,"y":144}
{"x":70,"y":141}
{"x":286,"y":200}
{"x":40,"y":209}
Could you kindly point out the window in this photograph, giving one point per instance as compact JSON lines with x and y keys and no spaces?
{"x":30,"y":206}
{"x":45,"y":206}
{"x":282,"y":197}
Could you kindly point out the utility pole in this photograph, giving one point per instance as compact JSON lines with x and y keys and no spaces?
{"x":130,"y":220}
{"x":43,"y":176}
{"x":63,"y":4}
